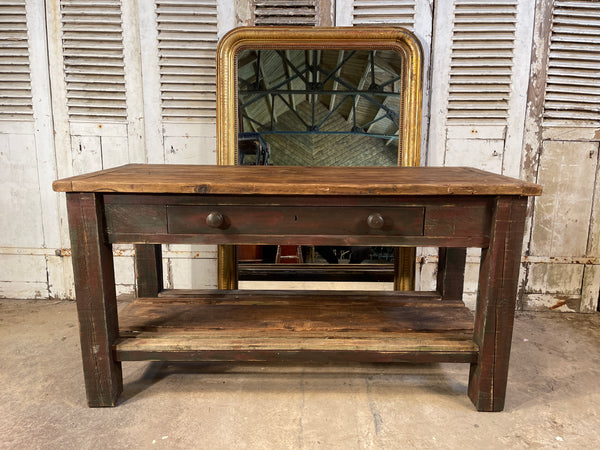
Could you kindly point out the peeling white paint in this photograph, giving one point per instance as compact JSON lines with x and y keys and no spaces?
{"x":565,"y":230}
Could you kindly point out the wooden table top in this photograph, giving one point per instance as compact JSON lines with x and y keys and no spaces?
{"x":297,"y":180}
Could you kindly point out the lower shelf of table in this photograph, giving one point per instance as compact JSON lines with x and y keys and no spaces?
{"x":319,"y":326}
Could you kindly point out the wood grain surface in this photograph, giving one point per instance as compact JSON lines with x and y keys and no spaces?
{"x":96,"y":299}
{"x":498,"y":279}
{"x":282,"y":180}
{"x":308,"y":325}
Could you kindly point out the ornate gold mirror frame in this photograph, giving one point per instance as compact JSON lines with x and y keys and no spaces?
{"x":399,"y":40}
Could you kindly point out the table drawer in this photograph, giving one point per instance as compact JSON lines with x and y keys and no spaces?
{"x":293,"y":220}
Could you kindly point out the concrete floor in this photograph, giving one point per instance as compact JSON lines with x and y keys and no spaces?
{"x":553,"y":396}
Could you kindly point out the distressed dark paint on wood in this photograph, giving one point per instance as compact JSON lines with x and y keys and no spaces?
{"x":458,"y":218}
{"x":141,"y":218}
{"x":403,"y":297}
{"x":294,"y":220}
{"x":368,"y":201}
{"x":451,"y":272}
{"x":128,"y":351}
{"x":316,"y":272}
{"x":96,"y":299}
{"x":498,"y":279}
{"x":445,"y":221}
{"x":301,"y":239}
{"x":148,"y":270}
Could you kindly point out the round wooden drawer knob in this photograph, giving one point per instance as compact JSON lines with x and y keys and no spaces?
{"x":375,"y":221}
{"x":215,"y":219}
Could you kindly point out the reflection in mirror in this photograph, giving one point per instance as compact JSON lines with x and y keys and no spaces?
{"x":319,"y":107}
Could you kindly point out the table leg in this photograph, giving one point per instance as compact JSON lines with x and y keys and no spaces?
{"x":148,"y":269}
{"x":96,"y":298}
{"x":451,"y":272}
{"x":498,"y":279}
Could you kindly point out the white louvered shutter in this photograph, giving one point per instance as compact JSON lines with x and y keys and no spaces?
{"x":93,"y":60}
{"x":483,"y":42}
{"x":285,"y":12}
{"x":187,"y":41}
{"x":389,"y":12}
{"x":573,"y":82}
{"x":15,"y":84}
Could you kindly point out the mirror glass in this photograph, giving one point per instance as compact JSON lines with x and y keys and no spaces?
{"x":319,"y":107}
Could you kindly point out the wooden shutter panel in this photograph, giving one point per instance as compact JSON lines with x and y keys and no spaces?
{"x":15,"y":84}
{"x":285,"y":12}
{"x":187,"y":41}
{"x":481,"y":64}
{"x":573,"y":84}
{"x":93,"y":59}
{"x":388,"y":12}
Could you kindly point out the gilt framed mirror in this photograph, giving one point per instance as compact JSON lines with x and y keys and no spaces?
{"x":319,"y":96}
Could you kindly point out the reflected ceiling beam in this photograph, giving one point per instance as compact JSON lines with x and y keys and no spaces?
{"x":336,"y":84}
{"x":305,"y":70}
{"x":266,"y":83}
{"x":289,"y":76}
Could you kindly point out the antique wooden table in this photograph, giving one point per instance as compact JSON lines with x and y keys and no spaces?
{"x":450,"y":208}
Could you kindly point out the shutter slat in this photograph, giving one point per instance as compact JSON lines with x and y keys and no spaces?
{"x":95,"y":87}
{"x":188,"y":52}
{"x":590,"y":53}
{"x":283,"y":3}
{"x":16,"y":94}
{"x":96,"y":95}
{"x":15,"y":83}
{"x":481,"y":67}
{"x":180,"y":10}
{"x":93,"y":59}
{"x":184,"y":95}
{"x":477,"y":96}
{"x":478,"y":88}
{"x":570,"y":72}
{"x":574,"y":98}
{"x":204,"y":64}
{"x":592,"y":84}
{"x":584,"y":14}
{"x":180,"y":22}
{"x":578,"y":117}
{"x":99,"y":113}
{"x":194,"y":35}
{"x":307,"y":11}
{"x":180,"y":86}
{"x":575,"y":4}
{"x":206,"y":82}
{"x":572,"y":84}
{"x":563,"y":105}
{"x":576,"y":64}
{"x":115,"y":80}
{"x":182,"y":3}
{"x":187,"y":41}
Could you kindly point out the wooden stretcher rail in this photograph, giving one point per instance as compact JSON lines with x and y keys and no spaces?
{"x":316,"y":272}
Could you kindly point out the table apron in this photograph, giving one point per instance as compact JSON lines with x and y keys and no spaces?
{"x":450,"y":221}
